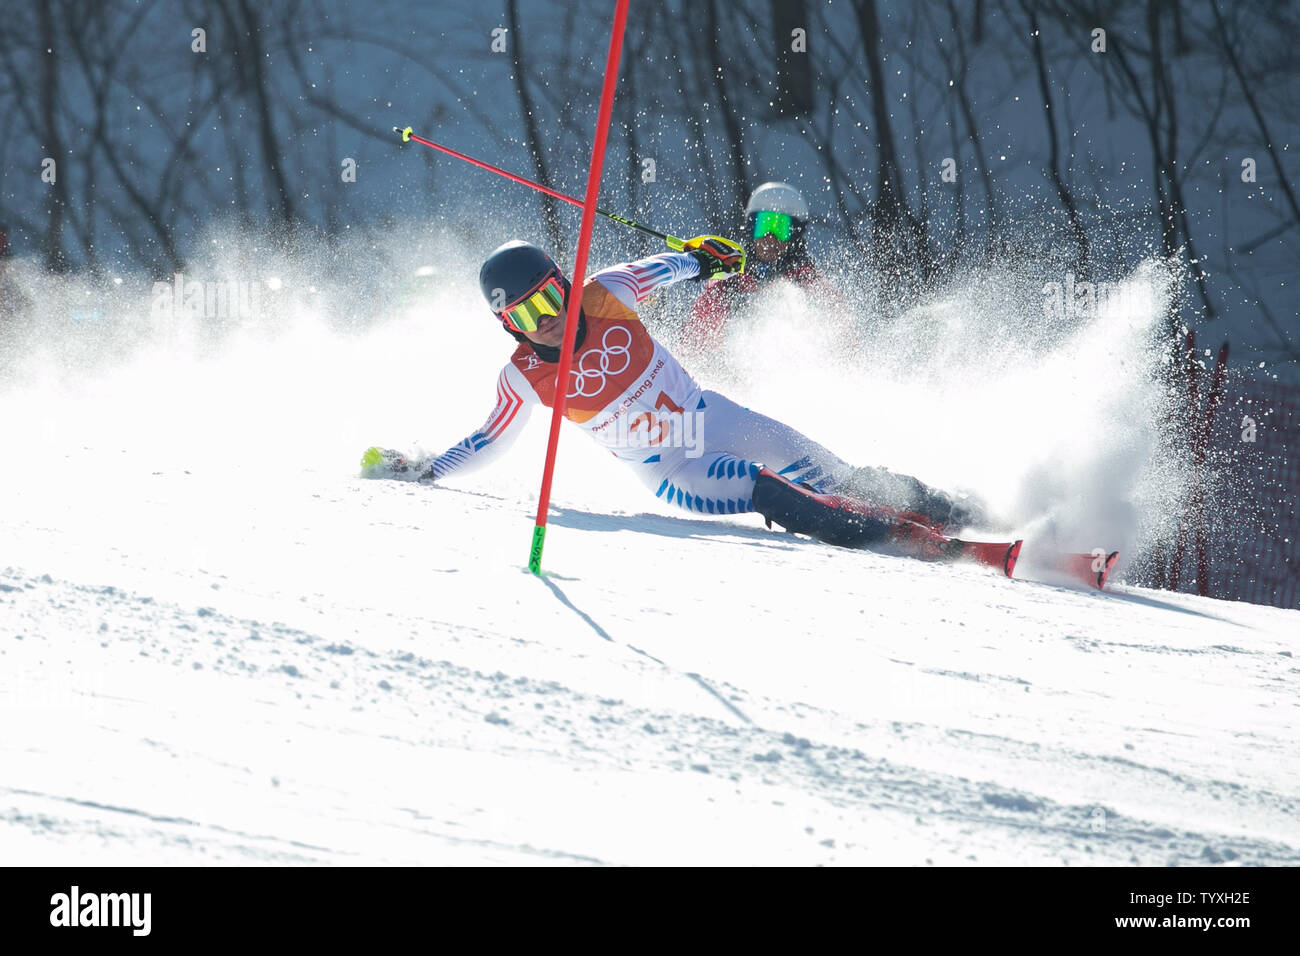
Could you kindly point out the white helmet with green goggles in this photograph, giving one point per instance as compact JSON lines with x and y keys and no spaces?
{"x":776,"y":209}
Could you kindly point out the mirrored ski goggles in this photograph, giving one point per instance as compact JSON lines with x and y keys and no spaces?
{"x":524,"y":315}
{"x":779,"y":224}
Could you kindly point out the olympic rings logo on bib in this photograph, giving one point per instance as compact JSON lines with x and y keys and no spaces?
{"x":595,"y":364}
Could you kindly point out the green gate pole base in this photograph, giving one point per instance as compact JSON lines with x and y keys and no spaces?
{"x":535,"y":553}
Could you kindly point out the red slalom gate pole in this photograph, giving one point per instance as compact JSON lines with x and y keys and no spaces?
{"x":579,"y":273}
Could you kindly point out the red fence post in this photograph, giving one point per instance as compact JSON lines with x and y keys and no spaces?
{"x":1202,"y":457}
{"x":1187,"y":518}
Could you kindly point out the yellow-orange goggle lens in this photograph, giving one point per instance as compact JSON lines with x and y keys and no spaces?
{"x":524,"y":316}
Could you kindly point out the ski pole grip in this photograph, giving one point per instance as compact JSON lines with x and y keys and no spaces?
{"x":697,"y":241}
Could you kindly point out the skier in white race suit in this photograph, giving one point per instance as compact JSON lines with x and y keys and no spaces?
{"x":692,"y":447}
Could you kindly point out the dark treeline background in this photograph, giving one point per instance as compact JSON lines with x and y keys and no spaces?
{"x":1091,"y":159}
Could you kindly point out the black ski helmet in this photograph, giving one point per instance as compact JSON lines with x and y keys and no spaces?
{"x":513,"y":270}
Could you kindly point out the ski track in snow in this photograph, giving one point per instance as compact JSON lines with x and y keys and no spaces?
{"x":370,"y":676}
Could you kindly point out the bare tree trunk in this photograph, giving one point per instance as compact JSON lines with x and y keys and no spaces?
{"x":961,"y":237}
{"x":899,"y":235}
{"x":271,"y":154}
{"x":1054,"y":149}
{"x":1178,"y":207}
{"x":888,"y":209}
{"x":740,"y":179}
{"x":625,"y":112}
{"x":1160,"y":118}
{"x":794,"y":87}
{"x":536,"y":149}
{"x":1248,"y":92}
{"x":56,"y":259}
{"x":968,"y":110}
{"x":921,"y":223}
{"x":693,"y":93}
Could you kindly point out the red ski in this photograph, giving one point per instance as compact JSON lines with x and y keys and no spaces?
{"x":921,"y":540}
{"x":994,"y":554}
{"x":1092,"y":569}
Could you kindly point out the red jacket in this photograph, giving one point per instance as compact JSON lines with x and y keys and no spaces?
{"x":709,"y":315}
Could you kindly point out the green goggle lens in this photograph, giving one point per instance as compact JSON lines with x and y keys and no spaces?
{"x":773,"y":224}
{"x":524,"y":315}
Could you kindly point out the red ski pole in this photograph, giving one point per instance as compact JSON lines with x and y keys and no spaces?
{"x":407,"y":135}
{"x":673,"y":242}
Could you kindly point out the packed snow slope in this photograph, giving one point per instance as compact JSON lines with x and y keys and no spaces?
{"x":218,"y":645}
